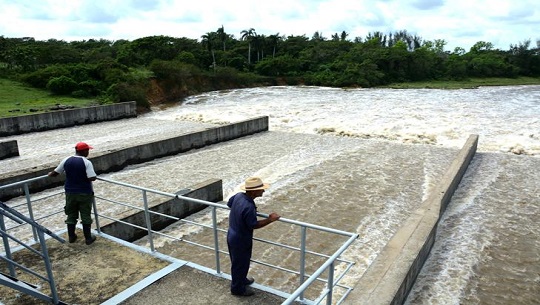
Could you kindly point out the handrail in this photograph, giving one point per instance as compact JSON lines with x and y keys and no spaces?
{"x":224,"y":206}
{"x":316,"y":274}
{"x":298,"y":293}
{"x":5,"y":186}
{"x":306,"y":280}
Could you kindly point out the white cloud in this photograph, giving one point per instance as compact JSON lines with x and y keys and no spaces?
{"x":459,"y":22}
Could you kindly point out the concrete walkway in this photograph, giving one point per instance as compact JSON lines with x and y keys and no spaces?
{"x":111,"y":272}
{"x":190,"y":286}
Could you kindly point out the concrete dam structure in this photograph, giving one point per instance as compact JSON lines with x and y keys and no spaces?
{"x":387,"y":280}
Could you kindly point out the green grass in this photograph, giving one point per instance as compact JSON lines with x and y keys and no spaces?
{"x":467,"y":84}
{"x":18,"y":99}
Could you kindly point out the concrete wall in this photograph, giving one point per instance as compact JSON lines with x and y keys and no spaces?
{"x":9,"y":149}
{"x":210,"y":190}
{"x":117,"y":160}
{"x":65,"y":118}
{"x":390,"y":277}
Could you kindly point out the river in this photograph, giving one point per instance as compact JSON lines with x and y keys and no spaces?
{"x":360,"y":160}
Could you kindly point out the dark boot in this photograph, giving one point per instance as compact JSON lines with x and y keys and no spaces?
{"x":89,"y":238}
{"x":71,"y":233}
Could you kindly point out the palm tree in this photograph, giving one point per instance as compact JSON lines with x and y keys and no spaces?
{"x":377,"y":35}
{"x":208,"y":40}
{"x":222,"y":36}
{"x":318,"y":36}
{"x":248,"y":35}
{"x":273,"y":40}
{"x":344,"y":36}
{"x":259,"y":42}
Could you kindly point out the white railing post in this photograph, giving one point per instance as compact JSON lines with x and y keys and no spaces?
{"x":48,"y":266}
{"x":216,"y":239}
{"x":96,"y":214}
{"x":302,"y":258}
{"x":330,"y":283}
{"x":7,"y":249}
{"x":148,"y":221}
{"x":30,"y":210}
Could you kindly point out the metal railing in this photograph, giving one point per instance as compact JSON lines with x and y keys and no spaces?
{"x":11,"y":280}
{"x":306,"y":280}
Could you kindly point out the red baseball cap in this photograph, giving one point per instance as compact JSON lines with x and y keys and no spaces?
{"x":82,"y":146}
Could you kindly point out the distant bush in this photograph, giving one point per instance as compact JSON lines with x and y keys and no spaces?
{"x":278,"y":66}
{"x":187,"y":57}
{"x":126,"y":92}
{"x":62,"y":85}
{"x":41,"y":77}
{"x":173,"y":70}
{"x":91,"y":87}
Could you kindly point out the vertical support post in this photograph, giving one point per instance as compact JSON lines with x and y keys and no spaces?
{"x":30,"y":210}
{"x":216,"y":240}
{"x":6,"y":246}
{"x":148,"y":221}
{"x":48,"y":266}
{"x":302,"y":258}
{"x":96,"y":215}
{"x":330,"y":283}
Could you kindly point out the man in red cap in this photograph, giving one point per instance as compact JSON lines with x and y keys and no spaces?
{"x":79,"y":192}
{"x":242,"y":222}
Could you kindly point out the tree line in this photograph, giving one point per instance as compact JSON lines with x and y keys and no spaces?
{"x":120,"y":70}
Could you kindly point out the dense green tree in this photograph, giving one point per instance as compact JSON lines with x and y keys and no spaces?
{"x":456,"y":66}
{"x":187,"y":57}
{"x":522,"y":57}
{"x":294,"y":45}
{"x":62,"y":85}
{"x":173,"y":70}
{"x":41,"y":77}
{"x":283,"y":65}
{"x":481,"y":46}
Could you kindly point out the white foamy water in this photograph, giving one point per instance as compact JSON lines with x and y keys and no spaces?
{"x":507,"y":120}
{"x":504,"y":117}
{"x":340,"y":180}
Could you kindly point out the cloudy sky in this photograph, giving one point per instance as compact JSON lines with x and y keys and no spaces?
{"x":461,"y":23}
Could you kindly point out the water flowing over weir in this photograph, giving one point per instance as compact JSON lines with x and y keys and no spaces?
{"x":353,"y":184}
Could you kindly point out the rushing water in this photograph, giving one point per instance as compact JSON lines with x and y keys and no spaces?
{"x":324,"y":171}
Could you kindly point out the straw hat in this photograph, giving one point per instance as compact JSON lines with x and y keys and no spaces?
{"x":253,"y":184}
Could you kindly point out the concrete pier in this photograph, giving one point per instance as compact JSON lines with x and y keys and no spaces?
{"x":390,"y":277}
{"x":8,"y":149}
{"x":210,"y":190}
{"x":65,"y":118}
{"x":119,"y":159}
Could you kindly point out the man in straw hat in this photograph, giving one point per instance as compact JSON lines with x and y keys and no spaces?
{"x":242,"y":222}
{"x":79,"y":192}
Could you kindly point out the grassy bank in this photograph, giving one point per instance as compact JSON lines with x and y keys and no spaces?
{"x":467,"y":84}
{"x":18,"y":99}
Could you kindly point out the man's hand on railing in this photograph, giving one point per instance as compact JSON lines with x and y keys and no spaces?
{"x":264,"y":222}
{"x":273,"y":217}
